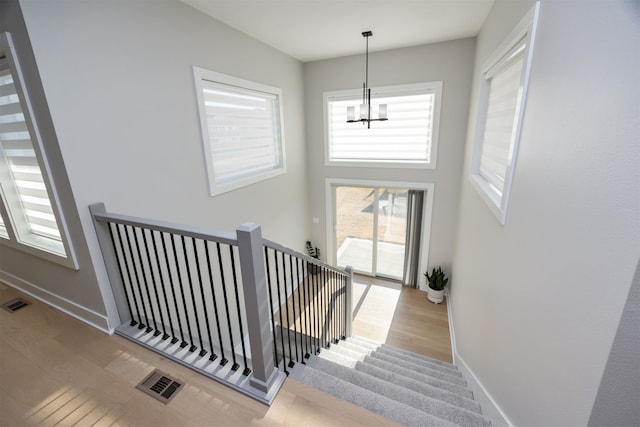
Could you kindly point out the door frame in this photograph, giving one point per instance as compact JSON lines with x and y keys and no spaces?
{"x":427,"y":211}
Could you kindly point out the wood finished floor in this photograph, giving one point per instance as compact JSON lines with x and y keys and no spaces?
{"x":55,"y":370}
{"x":403,"y":317}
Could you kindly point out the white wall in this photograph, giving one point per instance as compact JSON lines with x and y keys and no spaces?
{"x":119,"y":83}
{"x":537,"y":302}
{"x":450,"y":62}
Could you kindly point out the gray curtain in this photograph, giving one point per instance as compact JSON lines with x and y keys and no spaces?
{"x":411,"y":277}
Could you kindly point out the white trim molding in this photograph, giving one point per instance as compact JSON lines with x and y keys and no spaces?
{"x":433,"y":88}
{"x":490,"y":408}
{"x":88,"y":316}
{"x":245,"y":163}
{"x":492,"y":171}
{"x":19,"y":224}
{"x":330,"y":183}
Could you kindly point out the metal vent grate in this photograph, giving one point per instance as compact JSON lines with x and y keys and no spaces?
{"x":15,"y":304}
{"x":160,"y":386}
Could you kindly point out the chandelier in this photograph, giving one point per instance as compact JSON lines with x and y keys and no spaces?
{"x":364,"y":115}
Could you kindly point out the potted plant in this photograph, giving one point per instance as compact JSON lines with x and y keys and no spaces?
{"x":437,"y":281}
{"x":313,"y":252}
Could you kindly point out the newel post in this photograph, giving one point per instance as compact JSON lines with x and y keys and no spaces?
{"x":256,"y":300}
{"x":349,"y":304}
{"x":111,"y":264}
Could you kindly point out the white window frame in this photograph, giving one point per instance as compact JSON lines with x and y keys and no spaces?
{"x":203,"y":75}
{"x":16,"y":233}
{"x":434,"y":87}
{"x":427,"y":212}
{"x":524,"y":33}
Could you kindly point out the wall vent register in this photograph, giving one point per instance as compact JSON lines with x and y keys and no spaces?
{"x":15,"y":305}
{"x":160,"y":386}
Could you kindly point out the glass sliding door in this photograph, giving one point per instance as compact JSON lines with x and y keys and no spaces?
{"x":370,"y":229}
{"x":392,"y":232}
{"x":355,"y":227}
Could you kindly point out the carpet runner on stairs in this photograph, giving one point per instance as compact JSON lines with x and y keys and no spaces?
{"x":405,"y":387}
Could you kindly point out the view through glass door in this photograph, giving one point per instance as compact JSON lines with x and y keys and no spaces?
{"x":371,"y":228}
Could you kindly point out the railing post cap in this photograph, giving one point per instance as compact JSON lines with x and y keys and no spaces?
{"x":97,"y":207}
{"x":248,"y":226}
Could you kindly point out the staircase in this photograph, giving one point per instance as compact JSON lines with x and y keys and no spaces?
{"x":405,"y":387}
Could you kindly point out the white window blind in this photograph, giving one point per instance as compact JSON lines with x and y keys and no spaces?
{"x":241,"y":123}
{"x":505,"y":88}
{"x":409,"y":136}
{"x":3,"y":229}
{"x":503,"y":92}
{"x":20,"y":158}
{"x":29,"y":218}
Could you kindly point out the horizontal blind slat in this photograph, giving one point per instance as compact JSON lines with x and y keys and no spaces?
{"x":7,"y":90}
{"x":10,"y":109}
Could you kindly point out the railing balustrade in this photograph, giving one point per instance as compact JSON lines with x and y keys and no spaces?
{"x":205,"y":299}
{"x":308,"y":303}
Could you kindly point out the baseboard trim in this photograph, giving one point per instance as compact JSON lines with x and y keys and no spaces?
{"x":490,"y":407}
{"x":71,"y":308}
{"x":494,"y":411}
{"x":452,"y":332}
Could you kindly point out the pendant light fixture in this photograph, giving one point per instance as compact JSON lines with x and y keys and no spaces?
{"x":365,"y":107}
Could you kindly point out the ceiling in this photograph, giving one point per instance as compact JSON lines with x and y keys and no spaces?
{"x":311,"y":30}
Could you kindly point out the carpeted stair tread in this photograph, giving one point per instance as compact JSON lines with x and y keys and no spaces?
{"x":419,"y":368}
{"x":366,"y":341}
{"x":370,"y":400}
{"x":411,"y":357}
{"x":425,"y":370}
{"x":387,"y":347}
{"x":435,"y":382}
{"x":351,"y":359}
{"x":438,"y":408}
{"x":346,"y":352}
{"x":336,"y":357}
{"x":418,"y":386}
{"x":417,"y":358}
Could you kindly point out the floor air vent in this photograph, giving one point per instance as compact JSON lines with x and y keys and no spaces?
{"x":15,"y":305}
{"x":160,"y":386}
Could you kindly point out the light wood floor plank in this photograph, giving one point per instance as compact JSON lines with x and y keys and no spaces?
{"x":55,"y":370}
{"x":402,"y":317}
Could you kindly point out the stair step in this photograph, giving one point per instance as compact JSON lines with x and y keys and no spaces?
{"x":426,"y":379}
{"x":445,"y":376}
{"x":370,"y":400}
{"x":411,"y":357}
{"x":386,"y":347}
{"x":417,"y":358}
{"x":350,"y":361}
{"x":420,"y":387}
{"x":435,"y":407}
{"x":410,"y":369}
{"x":345,"y":351}
{"x":336,"y":357}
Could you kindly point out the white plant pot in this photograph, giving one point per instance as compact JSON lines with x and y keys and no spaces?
{"x":435,"y":296}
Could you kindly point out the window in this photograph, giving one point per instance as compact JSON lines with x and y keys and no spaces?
{"x":241,"y":130}
{"x":502,"y":99}
{"x":408,"y":139}
{"x":3,"y":229}
{"x":29,"y":216}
